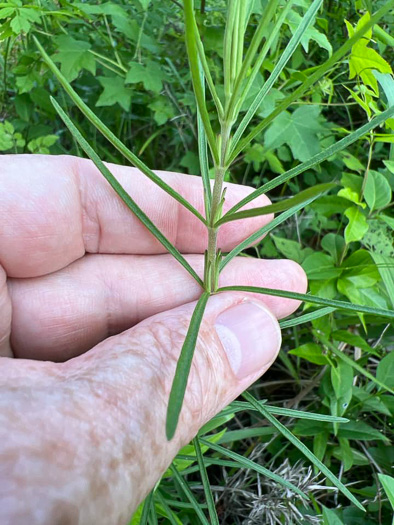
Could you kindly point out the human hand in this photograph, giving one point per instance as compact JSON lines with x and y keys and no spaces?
{"x":82,"y":281}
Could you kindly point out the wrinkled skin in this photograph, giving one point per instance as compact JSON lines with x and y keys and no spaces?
{"x":92,"y":319}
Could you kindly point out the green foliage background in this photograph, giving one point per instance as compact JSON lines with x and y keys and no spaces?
{"x":127,"y":60}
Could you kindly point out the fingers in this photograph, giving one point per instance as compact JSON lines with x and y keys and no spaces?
{"x":93,"y":428}
{"x":63,"y":314}
{"x":55,"y":208}
{"x":5,"y":316}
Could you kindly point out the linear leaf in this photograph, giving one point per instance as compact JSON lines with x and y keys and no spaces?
{"x":146,"y":509}
{"x":188,"y":493}
{"x":286,"y":204}
{"x":191,"y":36}
{"x":343,"y":305}
{"x":183,"y":367}
{"x":349,"y":361}
{"x":280,"y":411}
{"x":316,"y":159}
{"x":284,"y":58}
{"x":107,"y":133}
{"x":172,"y":518}
{"x":205,"y":481}
{"x":305,"y":450}
{"x":265,"y":229}
{"x":317,"y":75}
{"x":248,"y":463}
{"x":306,"y":318}
{"x":130,"y":203}
{"x":203,"y":157}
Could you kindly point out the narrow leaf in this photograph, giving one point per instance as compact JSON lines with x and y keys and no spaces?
{"x":300,"y":198}
{"x":130,"y":203}
{"x":183,"y":367}
{"x":306,"y":318}
{"x":146,"y":510}
{"x":316,"y":159}
{"x":107,"y":133}
{"x":304,"y":449}
{"x":203,"y":157}
{"x":205,"y":481}
{"x":307,"y":298}
{"x":247,"y":463}
{"x":284,"y":58}
{"x":311,"y":79}
{"x":188,"y":493}
{"x":237,"y":406}
{"x":262,"y":231}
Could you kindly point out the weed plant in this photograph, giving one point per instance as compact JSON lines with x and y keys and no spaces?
{"x":226,"y":132}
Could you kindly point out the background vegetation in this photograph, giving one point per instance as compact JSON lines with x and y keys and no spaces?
{"x":127,"y":60}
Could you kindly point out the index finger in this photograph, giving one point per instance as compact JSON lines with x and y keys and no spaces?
{"x":54,"y":209}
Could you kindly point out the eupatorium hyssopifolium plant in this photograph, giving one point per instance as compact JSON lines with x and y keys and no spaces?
{"x":220,"y":149}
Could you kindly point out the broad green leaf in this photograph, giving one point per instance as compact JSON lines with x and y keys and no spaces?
{"x":364,"y":60}
{"x":361,"y":431}
{"x":111,"y":137}
{"x":73,"y":56}
{"x":317,"y":159}
{"x":151,"y":75}
{"x":290,"y":249}
{"x":360,"y":270}
{"x":123,"y":194}
{"x":342,"y":379}
{"x":330,"y":517}
{"x":299,"y":130}
{"x":346,"y":453}
{"x":304,"y":449}
{"x":311,"y":79}
{"x":386,"y":82}
{"x":247,"y":463}
{"x":351,"y":339}
{"x":334,"y":244}
{"x":377,"y":192}
{"x":205,"y":481}
{"x":115,"y":92}
{"x":302,"y":197}
{"x":357,"y":225}
{"x":320,"y":442}
{"x":319,"y":265}
{"x":183,"y":367}
{"x":385,"y":370}
{"x":310,"y":299}
{"x":388,"y":485}
{"x":293,"y":20}
{"x":312,"y":352}
{"x":23,"y":18}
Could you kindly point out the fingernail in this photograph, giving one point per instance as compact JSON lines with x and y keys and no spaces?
{"x":250,"y":335}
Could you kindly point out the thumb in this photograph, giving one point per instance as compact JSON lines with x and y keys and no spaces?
{"x":238,"y":340}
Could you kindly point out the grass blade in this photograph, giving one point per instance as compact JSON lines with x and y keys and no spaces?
{"x":237,"y":406}
{"x":306,"y":318}
{"x":316,"y":159}
{"x":300,"y":198}
{"x":107,"y":133}
{"x":183,"y":367}
{"x":305,"y":450}
{"x":188,"y":493}
{"x":247,"y":463}
{"x":312,"y":79}
{"x":284,"y":58}
{"x":349,"y":361}
{"x":265,"y":229}
{"x":170,"y":514}
{"x":130,"y":203}
{"x":343,"y":305}
{"x":205,"y":481}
